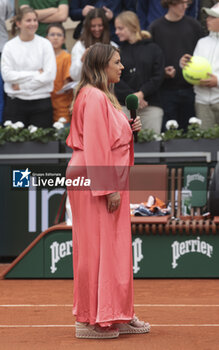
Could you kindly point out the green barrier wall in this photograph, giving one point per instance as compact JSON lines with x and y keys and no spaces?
{"x":25,"y":213}
{"x":154,"y":256}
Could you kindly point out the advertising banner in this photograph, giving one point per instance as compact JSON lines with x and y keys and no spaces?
{"x":154,"y":256}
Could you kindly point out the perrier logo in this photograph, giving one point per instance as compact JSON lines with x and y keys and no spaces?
{"x":59,"y":251}
{"x":190,"y":246}
{"x":137,"y":254}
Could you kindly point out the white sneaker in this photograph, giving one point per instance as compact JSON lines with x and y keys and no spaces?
{"x":85,"y":330}
{"x":133,"y":327}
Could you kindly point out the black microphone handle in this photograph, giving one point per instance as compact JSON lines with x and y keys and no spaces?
{"x":133,"y":115}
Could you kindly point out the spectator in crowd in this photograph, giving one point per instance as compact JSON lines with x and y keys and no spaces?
{"x":28,"y":70}
{"x":12,"y":2}
{"x":6,"y":12}
{"x":80,"y":8}
{"x":48,"y":11}
{"x":61,"y":102}
{"x":176,"y":34}
{"x":207,"y":93}
{"x":1,"y":99}
{"x":202,"y":14}
{"x":149,"y":10}
{"x":144,"y":70}
{"x":95,"y":29}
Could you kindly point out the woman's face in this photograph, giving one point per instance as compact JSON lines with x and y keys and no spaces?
{"x":28,"y":25}
{"x":212,"y":24}
{"x":114,"y":68}
{"x":123,"y":33}
{"x":96,"y":27}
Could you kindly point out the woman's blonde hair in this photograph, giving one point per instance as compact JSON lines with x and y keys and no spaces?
{"x":18,"y":18}
{"x":130,"y":20}
{"x":94,"y":71}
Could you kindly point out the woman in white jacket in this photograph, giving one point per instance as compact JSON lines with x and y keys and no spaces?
{"x":28,"y":69}
{"x":207,"y":93}
{"x":95,"y":29}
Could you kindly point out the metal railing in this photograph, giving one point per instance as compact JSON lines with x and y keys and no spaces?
{"x":207,"y":155}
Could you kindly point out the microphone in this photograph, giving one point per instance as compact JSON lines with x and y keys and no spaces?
{"x":131,"y":102}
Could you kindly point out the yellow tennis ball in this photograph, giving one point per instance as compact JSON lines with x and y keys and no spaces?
{"x":196,"y":69}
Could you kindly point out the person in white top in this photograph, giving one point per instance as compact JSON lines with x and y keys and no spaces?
{"x":95,"y":29}
{"x":207,"y":93}
{"x":28,"y":69}
{"x":5,"y":13}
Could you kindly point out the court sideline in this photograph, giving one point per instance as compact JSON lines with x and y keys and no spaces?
{"x":184,"y":314}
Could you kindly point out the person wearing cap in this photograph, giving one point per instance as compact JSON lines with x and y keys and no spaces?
{"x":207,"y":93}
{"x":203,"y":15}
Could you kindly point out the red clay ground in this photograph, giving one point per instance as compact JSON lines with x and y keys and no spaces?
{"x":184,"y":314}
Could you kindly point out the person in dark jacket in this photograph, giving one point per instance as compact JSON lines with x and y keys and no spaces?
{"x":176,"y":34}
{"x":149,"y":10}
{"x":144,"y":70}
{"x":80,"y":8}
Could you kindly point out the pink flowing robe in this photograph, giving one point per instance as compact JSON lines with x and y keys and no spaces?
{"x":100,"y":135}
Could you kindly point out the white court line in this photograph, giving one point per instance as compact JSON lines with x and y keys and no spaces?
{"x":184,"y":325}
{"x":176,"y":305}
{"x":72,"y":326}
{"x":135,"y":305}
{"x":38,"y":326}
{"x":36,"y":305}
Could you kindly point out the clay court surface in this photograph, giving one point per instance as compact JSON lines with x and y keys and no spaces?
{"x":184,"y":315}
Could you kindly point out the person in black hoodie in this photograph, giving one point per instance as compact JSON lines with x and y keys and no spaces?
{"x":176,"y":33}
{"x":144,"y":70}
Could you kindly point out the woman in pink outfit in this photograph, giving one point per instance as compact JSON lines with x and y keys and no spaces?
{"x":102,"y":140}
